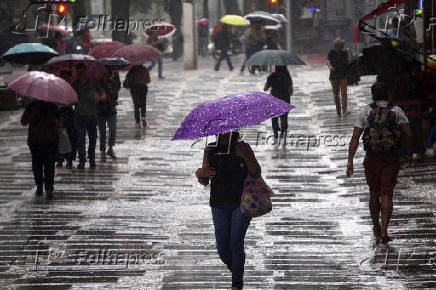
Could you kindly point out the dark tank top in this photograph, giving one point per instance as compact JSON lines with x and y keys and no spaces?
{"x":231,"y":171}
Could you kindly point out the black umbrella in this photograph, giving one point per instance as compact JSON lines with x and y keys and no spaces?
{"x":274,"y":57}
{"x":114,"y":63}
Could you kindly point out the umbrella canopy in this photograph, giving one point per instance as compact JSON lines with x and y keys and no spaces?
{"x":163,"y":29}
{"x":235,"y":20}
{"x":29,"y":53}
{"x":114,"y":63}
{"x":230,"y":113}
{"x":274,"y":57}
{"x":44,"y":87}
{"x":68,"y":62}
{"x":54,"y":28}
{"x":202,"y":21}
{"x":106,"y":49}
{"x":138,"y":54}
{"x":265,"y":17}
{"x":280,"y":17}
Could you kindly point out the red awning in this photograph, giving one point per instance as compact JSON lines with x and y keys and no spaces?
{"x":383,"y":8}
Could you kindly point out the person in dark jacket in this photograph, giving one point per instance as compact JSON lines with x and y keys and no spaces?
{"x":43,"y":120}
{"x":282,"y":87}
{"x":107,"y":113}
{"x":222,"y":40}
{"x":67,"y":115}
{"x":225,"y":167}
{"x":138,"y":78}
{"x":157,"y":43}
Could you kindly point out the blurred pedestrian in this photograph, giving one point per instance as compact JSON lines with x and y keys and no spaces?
{"x":222,"y":39}
{"x":43,"y":120}
{"x":337,"y":60}
{"x":107,"y":113}
{"x":381,"y":123}
{"x":280,"y":82}
{"x":255,"y":39}
{"x":85,"y":114}
{"x":226,"y":165}
{"x":137,"y":80}
{"x":203,"y":39}
{"x":67,"y":115}
{"x":157,"y":43}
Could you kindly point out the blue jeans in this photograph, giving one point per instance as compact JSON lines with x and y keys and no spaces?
{"x":112,"y":124}
{"x":86,"y":124}
{"x":223,"y":55}
{"x":230,"y":229}
{"x":159,"y":66}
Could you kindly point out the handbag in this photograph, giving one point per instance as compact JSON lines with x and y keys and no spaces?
{"x":256,"y":197}
{"x":64,"y":144}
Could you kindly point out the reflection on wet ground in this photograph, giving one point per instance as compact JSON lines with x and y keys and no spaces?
{"x":142,"y":222}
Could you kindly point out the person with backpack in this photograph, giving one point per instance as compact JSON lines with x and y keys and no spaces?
{"x":137,"y":80}
{"x":280,"y":82}
{"x":222,"y":39}
{"x":43,"y":120}
{"x":226,"y":164}
{"x":381,"y":124}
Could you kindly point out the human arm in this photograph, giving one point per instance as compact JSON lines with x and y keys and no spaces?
{"x":204,"y":173}
{"x":28,"y":114}
{"x":349,"y":55}
{"x":405,"y":128}
{"x":244,"y":151}
{"x":354,"y":144}
{"x":328,"y":62}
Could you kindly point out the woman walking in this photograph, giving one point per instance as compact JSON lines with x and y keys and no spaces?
{"x":43,"y":120}
{"x":225,"y":166}
{"x":280,"y":82}
{"x":337,"y":61}
{"x":137,"y":79}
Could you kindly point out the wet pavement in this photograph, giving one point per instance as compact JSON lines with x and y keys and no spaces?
{"x":143,"y":222}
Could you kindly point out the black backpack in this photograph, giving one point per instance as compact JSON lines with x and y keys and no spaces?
{"x":383,"y":133}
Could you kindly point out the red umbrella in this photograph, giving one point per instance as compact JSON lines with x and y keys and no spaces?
{"x":138,"y":54}
{"x":162,"y":29}
{"x":54,"y":28}
{"x":45,"y":87}
{"x":383,"y":8}
{"x":106,"y":49}
{"x":68,"y":62}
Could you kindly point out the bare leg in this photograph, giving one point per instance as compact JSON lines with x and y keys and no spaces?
{"x":335,"y":87}
{"x":343,"y":85}
{"x":386,"y":213}
{"x":374,"y":210}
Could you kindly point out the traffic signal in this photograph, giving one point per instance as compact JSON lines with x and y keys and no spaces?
{"x":61,"y":9}
{"x":273,"y":1}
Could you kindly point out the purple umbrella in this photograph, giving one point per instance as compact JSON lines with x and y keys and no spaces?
{"x":94,"y":69}
{"x":230,"y":113}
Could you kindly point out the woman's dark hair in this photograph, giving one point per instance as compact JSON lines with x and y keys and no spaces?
{"x":379,"y":92}
{"x":80,"y":65}
{"x":281,"y":69}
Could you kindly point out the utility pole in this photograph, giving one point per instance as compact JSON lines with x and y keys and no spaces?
{"x":289,"y":33}
{"x":189,"y":39}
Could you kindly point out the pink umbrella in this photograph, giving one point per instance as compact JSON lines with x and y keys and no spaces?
{"x":54,"y":28}
{"x":162,"y":29}
{"x":138,"y":54}
{"x":203,"y":21}
{"x":45,"y":87}
{"x":106,"y":49}
{"x":68,"y":62}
